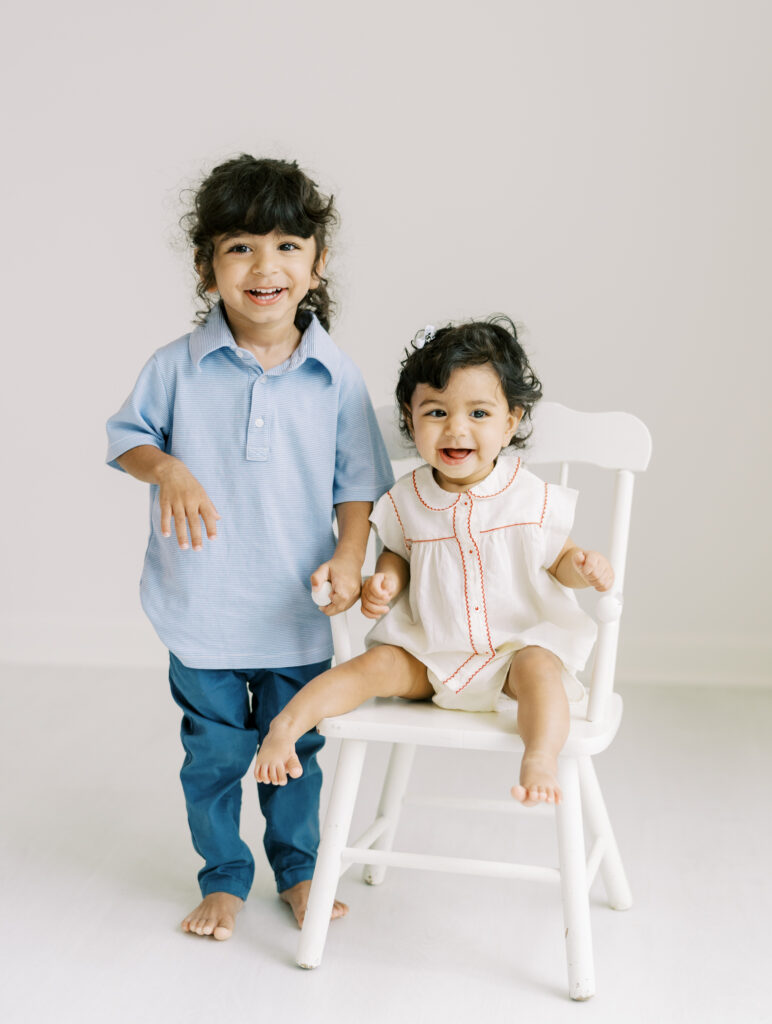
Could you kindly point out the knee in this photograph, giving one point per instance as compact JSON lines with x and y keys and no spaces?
{"x":534,"y":663}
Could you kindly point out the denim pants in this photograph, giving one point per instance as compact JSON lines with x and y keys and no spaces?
{"x":225,"y":714}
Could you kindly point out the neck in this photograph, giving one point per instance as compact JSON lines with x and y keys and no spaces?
{"x":270,"y":343}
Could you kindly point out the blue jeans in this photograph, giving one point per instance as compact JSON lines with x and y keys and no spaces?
{"x":225,"y":714}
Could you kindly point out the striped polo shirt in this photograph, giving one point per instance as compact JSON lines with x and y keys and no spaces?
{"x":275,"y":451}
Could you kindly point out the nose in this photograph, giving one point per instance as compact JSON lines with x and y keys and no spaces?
{"x":455,"y":428}
{"x":263,"y":262}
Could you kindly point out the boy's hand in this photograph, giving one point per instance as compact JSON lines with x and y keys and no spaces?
{"x":377,"y":591}
{"x":183,"y":497}
{"x":345,"y":577}
{"x":593,"y":569}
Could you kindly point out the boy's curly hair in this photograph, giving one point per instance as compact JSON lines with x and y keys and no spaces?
{"x":258,"y":196}
{"x":492,"y":342}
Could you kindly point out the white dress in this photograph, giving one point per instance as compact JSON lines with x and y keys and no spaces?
{"x":479,"y":588}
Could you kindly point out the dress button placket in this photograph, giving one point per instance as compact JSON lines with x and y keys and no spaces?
{"x":474,"y":590}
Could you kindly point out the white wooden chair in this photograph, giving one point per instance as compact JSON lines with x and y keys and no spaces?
{"x":615,"y":441}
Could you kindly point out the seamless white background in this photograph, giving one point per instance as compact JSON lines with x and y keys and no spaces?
{"x":598,"y":170}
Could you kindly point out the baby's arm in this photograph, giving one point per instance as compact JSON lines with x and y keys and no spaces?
{"x":391,"y":576}
{"x":344,"y":569}
{"x":574,"y":567}
{"x":180,"y":494}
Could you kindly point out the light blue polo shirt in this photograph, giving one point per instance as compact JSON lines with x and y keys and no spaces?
{"x":275,"y":451}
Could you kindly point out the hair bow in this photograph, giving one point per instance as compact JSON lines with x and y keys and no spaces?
{"x":425,"y":336}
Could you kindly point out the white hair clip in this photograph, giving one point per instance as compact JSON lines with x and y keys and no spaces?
{"x":425,"y":336}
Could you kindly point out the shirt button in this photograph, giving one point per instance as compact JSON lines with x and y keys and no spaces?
{"x":259,"y":421}
{"x":263,"y":379}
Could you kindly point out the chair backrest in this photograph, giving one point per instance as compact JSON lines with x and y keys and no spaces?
{"x":615,"y":441}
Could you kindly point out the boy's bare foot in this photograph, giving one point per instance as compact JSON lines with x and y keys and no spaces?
{"x":215,"y":915}
{"x":276,"y":759}
{"x":297,"y":898}
{"x":538,"y":780}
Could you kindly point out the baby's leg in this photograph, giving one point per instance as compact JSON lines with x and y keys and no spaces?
{"x":535,"y":681}
{"x":383,"y":671}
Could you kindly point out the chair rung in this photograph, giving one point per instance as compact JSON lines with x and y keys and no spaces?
{"x":595,"y":858}
{"x":368,"y":837}
{"x":453,"y":865}
{"x":472,"y":804}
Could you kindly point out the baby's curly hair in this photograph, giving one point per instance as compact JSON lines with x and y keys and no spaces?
{"x":491,"y":342}
{"x":258,"y":196}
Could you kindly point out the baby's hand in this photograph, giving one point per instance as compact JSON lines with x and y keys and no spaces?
{"x":183,"y":497}
{"x":377,"y":592}
{"x":593,"y":568}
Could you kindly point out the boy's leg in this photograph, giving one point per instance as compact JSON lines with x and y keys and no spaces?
{"x":219,"y":739}
{"x":535,"y":681}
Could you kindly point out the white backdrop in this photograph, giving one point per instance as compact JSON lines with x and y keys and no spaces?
{"x":599,"y":170}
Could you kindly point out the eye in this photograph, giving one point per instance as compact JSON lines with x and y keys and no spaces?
{"x":288,"y":246}
{"x":239,"y":247}
{"x":436,"y":413}
{"x":479,"y":414}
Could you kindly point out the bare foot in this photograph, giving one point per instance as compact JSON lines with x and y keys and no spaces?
{"x":276,"y":759}
{"x":297,"y":898}
{"x":538,"y":780}
{"x":215,"y":915}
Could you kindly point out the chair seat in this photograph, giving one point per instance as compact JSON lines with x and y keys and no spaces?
{"x":391,"y":720}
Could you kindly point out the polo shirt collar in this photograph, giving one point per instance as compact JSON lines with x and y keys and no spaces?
{"x":315,"y":343}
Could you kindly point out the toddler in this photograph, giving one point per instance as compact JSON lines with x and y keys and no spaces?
{"x":473,"y":586}
{"x":259,"y":427}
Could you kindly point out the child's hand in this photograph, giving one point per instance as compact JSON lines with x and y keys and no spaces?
{"x":183,"y":497}
{"x":593,"y":569}
{"x":345,"y":577}
{"x":377,"y":591}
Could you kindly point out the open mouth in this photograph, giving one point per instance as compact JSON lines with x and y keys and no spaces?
{"x":455,"y":456}
{"x":264,"y":296}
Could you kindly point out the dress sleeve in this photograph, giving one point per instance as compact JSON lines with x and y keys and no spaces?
{"x":144,"y":418}
{"x":385,"y":519}
{"x":362,"y":466}
{"x":558,"y":520}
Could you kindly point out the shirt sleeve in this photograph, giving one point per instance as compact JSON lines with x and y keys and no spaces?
{"x":144,"y":418}
{"x":558,"y":520}
{"x":385,"y":519}
{"x":362,"y":466}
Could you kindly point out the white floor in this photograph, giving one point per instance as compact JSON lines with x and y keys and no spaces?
{"x":97,"y":871}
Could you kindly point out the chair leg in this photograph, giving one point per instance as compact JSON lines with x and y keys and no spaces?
{"x":573,"y":883}
{"x":328,"y":863}
{"x":599,"y":825}
{"x":390,"y":804}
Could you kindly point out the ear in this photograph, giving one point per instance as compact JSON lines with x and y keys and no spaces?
{"x":408,"y":417}
{"x":318,"y":271}
{"x":199,"y":265}
{"x":513,"y":422}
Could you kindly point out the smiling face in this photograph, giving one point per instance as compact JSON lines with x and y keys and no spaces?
{"x":461,"y":430}
{"x":262,"y":279}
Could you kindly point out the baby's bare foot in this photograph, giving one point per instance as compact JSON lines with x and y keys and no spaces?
{"x":276,"y":759}
{"x":297,"y":898}
{"x":215,"y":915}
{"x":538,"y":780}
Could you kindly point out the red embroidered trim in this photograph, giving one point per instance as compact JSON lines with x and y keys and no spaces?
{"x":507,"y":484}
{"x":431,"y":507}
{"x":482,"y":581}
{"x":399,"y":520}
{"x":427,"y":540}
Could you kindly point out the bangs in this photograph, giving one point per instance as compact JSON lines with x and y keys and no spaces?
{"x":263,"y":200}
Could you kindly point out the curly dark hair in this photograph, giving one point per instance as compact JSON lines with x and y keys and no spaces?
{"x":258,"y":196}
{"x":490,"y":342}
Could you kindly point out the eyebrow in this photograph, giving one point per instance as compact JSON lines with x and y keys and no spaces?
{"x":476,"y":402}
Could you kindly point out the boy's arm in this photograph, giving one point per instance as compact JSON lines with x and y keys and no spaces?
{"x":576,"y":568}
{"x":180,"y":494}
{"x":344,"y":569}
